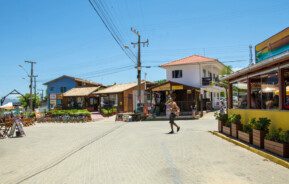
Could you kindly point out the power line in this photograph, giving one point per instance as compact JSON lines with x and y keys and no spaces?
{"x":100,"y":10}
{"x":111,"y":72}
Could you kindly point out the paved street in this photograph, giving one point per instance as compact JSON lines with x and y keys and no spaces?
{"x":108,"y":152}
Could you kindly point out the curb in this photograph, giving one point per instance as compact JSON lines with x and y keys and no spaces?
{"x":254,"y":150}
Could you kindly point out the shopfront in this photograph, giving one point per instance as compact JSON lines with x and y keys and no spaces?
{"x":187,"y":98}
{"x":262,"y":90}
{"x":81,"y":98}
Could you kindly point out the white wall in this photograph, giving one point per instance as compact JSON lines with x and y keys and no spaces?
{"x":191,"y":75}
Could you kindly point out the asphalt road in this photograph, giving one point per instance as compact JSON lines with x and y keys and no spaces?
{"x":139,"y":152}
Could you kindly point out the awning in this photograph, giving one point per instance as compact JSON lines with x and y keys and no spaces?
{"x":169,"y":85}
{"x":81,"y":91}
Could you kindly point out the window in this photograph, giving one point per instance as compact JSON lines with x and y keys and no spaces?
{"x":63,"y":89}
{"x":177,"y":73}
{"x":240,"y":95}
{"x":286,"y":89}
{"x":51,"y":88}
{"x":265,"y":91}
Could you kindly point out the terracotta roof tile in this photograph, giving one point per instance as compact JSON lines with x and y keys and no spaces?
{"x":190,"y":60}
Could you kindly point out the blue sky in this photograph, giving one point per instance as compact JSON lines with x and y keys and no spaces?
{"x":67,"y":37}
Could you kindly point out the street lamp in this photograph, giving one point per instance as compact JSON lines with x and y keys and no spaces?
{"x":23,"y":69}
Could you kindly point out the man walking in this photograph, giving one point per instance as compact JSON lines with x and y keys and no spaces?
{"x":174,"y":111}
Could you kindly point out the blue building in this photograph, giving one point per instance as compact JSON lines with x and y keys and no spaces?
{"x":58,"y":86}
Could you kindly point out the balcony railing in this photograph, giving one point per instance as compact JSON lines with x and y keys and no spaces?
{"x":206,"y":81}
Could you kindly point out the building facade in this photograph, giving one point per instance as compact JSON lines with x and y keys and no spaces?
{"x":262,"y":90}
{"x":123,"y":97}
{"x":62,"y":84}
{"x":199,"y":72}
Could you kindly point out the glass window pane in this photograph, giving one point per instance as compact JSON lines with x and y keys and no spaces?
{"x":256,"y":99}
{"x":240,"y":95}
{"x":270,"y":91}
{"x":286,"y":81}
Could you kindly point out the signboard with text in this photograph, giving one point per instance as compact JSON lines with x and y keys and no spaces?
{"x":273,"y":46}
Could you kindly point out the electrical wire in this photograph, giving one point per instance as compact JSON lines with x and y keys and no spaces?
{"x":109,"y":26}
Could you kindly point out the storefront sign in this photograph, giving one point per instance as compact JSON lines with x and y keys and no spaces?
{"x":189,"y":91}
{"x":53,"y":102}
{"x":59,"y":96}
{"x":165,"y":87}
{"x":273,"y":46}
{"x":52,"y":96}
{"x":177,"y":87}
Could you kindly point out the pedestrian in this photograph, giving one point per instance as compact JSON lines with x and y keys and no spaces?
{"x":174,"y":111}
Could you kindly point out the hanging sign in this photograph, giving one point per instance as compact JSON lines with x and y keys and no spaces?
{"x":177,"y":87}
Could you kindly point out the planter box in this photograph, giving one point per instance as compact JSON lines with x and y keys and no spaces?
{"x":246,"y":137}
{"x":227,"y":130}
{"x":277,"y":148}
{"x":234,"y":129}
{"x":258,"y":138}
{"x":220,"y":126}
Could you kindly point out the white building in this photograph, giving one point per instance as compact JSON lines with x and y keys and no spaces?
{"x":197,"y":71}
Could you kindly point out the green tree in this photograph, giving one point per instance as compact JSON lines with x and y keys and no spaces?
{"x":227,"y":70}
{"x":160,"y":81}
{"x":25,"y":102}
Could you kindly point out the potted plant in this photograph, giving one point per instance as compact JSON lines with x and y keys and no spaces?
{"x":277,"y":141}
{"x":235,"y":120}
{"x":227,"y":126}
{"x":246,"y":133}
{"x":222,"y":119}
{"x":260,"y":128}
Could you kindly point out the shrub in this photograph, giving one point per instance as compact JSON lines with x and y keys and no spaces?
{"x":72,"y":112}
{"x":277,"y":135}
{"x":274,"y":135}
{"x":284,"y":136}
{"x":29,"y":114}
{"x":235,"y":118}
{"x":221,"y":117}
{"x":262,"y":124}
{"x":248,"y":127}
{"x":109,"y":111}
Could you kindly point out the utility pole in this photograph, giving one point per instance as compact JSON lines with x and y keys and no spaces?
{"x":42,"y":91}
{"x":31,"y":82}
{"x":250,"y":55}
{"x":34,"y":87}
{"x":138,"y":43}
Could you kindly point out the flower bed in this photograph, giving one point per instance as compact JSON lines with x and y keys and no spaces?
{"x":235,"y":122}
{"x":222,"y":120}
{"x":281,"y":149}
{"x":235,"y":128}
{"x":277,"y":141}
{"x":245,"y":132}
{"x":67,"y":116}
{"x":258,"y":138}
{"x":260,"y":128}
{"x":246,"y":137}
{"x":227,"y":130}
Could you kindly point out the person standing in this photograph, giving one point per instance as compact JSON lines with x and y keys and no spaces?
{"x":174,"y":111}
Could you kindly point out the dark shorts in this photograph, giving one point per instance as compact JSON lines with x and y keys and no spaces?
{"x":172,"y":117}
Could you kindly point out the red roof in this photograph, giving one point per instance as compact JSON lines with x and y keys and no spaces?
{"x":190,"y":60}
